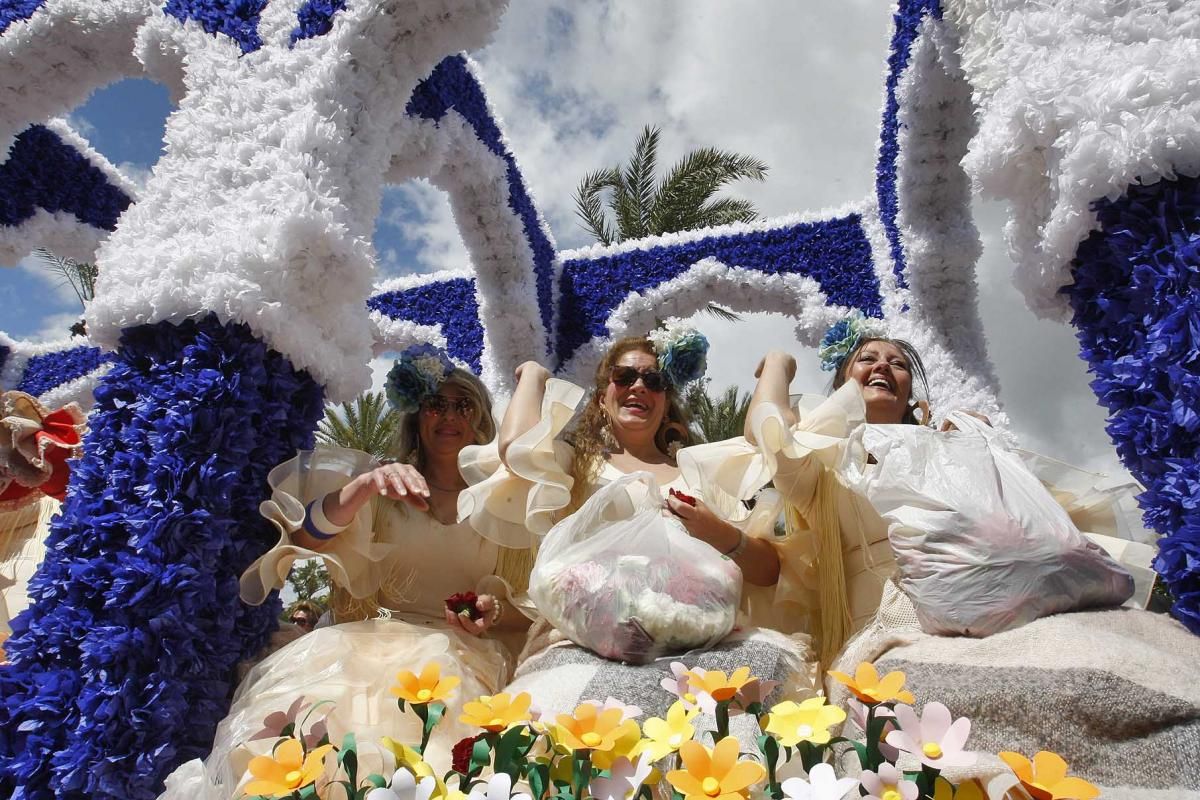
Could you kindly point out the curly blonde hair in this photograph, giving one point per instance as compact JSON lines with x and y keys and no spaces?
{"x":591,"y":438}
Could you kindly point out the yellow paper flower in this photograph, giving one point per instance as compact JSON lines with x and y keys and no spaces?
{"x":868,"y":687}
{"x":625,"y":744}
{"x":944,"y":790}
{"x":409,"y":759}
{"x":1046,"y":777}
{"x":809,"y":721}
{"x":428,"y":687}
{"x":287,"y":770}
{"x":665,"y":736}
{"x":592,"y":728}
{"x":714,"y":682}
{"x":497,"y":712}
{"x":714,"y":774}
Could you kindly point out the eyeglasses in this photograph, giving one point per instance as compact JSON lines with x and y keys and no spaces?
{"x":300,"y":620}
{"x":652,"y":379}
{"x":437,"y":405}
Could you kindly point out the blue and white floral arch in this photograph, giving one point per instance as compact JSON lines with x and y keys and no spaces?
{"x":294,"y":113}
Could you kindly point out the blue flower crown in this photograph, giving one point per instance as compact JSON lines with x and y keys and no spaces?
{"x":843,"y":336}
{"x":416,"y":375}
{"x":682,"y":352}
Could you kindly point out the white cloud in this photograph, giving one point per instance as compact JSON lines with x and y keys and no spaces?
{"x":137,"y":174}
{"x":421,"y":213}
{"x":63,"y":293}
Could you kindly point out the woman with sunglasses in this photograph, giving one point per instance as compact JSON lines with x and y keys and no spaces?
{"x":398,"y":560}
{"x":559,"y":447}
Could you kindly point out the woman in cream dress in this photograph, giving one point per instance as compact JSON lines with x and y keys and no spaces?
{"x":388,"y":536}
{"x":557,"y":445}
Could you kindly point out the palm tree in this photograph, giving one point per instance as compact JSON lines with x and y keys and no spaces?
{"x":368,"y":424}
{"x":719,"y":419}
{"x":79,"y":274}
{"x":681,"y":201}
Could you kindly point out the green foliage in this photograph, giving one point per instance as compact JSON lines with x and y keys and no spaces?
{"x":714,"y":420}
{"x":683,"y":200}
{"x":79,"y":275}
{"x":368,"y":424}
{"x":310,"y":581}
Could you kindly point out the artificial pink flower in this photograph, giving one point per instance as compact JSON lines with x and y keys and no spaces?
{"x":627,"y":711}
{"x":858,"y":715}
{"x":888,"y":780}
{"x":755,"y":691}
{"x":934,"y":737}
{"x":679,"y":685}
{"x":276,"y":721}
{"x":822,"y":784}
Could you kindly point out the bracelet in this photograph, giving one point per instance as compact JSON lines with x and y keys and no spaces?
{"x":734,"y":552}
{"x":317,"y":525}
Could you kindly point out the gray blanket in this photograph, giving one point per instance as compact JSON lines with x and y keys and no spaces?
{"x":562,"y":675}
{"x":1116,"y":693}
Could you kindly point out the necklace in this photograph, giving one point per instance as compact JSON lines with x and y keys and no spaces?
{"x":433,"y":485}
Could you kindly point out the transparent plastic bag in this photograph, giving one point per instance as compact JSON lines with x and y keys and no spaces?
{"x":620,"y":579}
{"x":980,"y":544}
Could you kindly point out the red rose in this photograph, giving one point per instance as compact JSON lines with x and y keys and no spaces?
{"x":463,"y":604}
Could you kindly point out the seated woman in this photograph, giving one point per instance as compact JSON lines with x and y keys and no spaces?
{"x":555,"y":459}
{"x":388,"y":536}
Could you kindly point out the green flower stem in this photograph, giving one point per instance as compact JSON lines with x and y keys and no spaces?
{"x":722,"y":715}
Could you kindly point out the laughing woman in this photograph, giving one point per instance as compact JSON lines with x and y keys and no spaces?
{"x":388,"y":536}
{"x":561,"y":446}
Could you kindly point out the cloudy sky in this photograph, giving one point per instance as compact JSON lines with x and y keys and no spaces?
{"x":799,"y":85}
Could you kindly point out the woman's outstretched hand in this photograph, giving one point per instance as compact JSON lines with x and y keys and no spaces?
{"x":531,"y":371}
{"x":777,"y":359}
{"x":488,"y":607}
{"x":399,"y":482}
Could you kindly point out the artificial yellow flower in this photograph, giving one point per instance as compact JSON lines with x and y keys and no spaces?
{"x":868,"y":687}
{"x":714,"y":682}
{"x":592,"y":728}
{"x":809,"y":721}
{"x":665,"y":736}
{"x":409,"y":759}
{"x":496,"y":712}
{"x":944,"y":790}
{"x":625,"y":744}
{"x":1046,"y":777}
{"x":428,"y":687}
{"x":287,"y":770}
{"x":714,"y":774}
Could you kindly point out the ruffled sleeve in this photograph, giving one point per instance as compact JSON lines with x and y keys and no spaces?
{"x":356,"y":561}
{"x":789,"y":456}
{"x":507,"y":503}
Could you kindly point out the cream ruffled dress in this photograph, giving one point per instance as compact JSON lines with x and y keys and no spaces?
{"x":840,"y":557}
{"x":532,"y":492}
{"x":400,"y":562}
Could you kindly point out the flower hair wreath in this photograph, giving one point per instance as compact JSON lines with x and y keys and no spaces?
{"x":682,"y":352}
{"x":843,"y":336}
{"x":416,"y":375}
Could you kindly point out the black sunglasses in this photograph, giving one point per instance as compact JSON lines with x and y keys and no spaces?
{"x":438,"y":405}
{"x":652,"y":379}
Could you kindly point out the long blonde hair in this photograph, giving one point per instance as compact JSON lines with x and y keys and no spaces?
{"x":406,"y":446}
{"x":592,"y":438}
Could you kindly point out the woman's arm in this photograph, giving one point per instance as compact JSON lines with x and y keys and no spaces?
{"x":774,"y":373}
{"x":757,"y":558}
{"x":525,"y":408}
{"x":397,"y":481}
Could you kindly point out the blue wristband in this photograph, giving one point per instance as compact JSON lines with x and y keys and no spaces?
{"x":310,"y":524}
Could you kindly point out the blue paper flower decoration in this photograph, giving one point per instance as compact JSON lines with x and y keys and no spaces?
{"x":682,"y":352}
{"x":416,"y":375}
{"x":842,"y":337}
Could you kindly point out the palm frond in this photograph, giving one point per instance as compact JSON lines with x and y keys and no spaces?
{"x":720,"y":312}
{"x":590,"y":208}
{"x":639,"y":182}
{"x":368,"y":424}
{"x":726,"y":210}
{"x":719,"y":419}
{"x":80,"y":275}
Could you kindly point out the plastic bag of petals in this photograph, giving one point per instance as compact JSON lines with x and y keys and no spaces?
{"x":626,"y":582}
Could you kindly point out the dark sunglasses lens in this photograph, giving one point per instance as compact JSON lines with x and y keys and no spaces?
{"x":654,"y":381}
{"x":624,"y":376}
